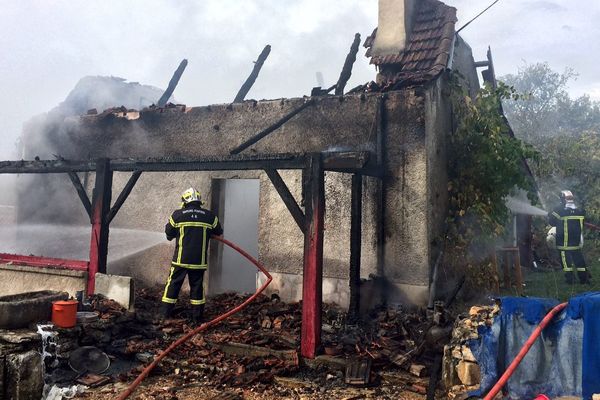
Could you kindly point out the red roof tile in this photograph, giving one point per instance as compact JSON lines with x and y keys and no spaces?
{"x":429,"y":45}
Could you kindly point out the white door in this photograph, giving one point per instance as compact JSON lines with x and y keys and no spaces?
{"x":240,"y":225}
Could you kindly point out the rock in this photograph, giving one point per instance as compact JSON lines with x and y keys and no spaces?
{"x":24,"y":376}
{"x":476,"y":310}
{"x":467,"y":354}
{"x":468,"y":373}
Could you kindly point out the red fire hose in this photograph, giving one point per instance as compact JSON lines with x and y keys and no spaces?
{"x":205,"y":325}
{"x":592,"y":226}
{"x":515,"y":363}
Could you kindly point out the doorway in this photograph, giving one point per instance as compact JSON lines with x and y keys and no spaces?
{"x":237,"y":202}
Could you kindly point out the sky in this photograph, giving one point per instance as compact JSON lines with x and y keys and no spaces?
{"x":48,"y":45}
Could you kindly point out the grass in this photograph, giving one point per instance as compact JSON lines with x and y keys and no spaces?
{"x":552,"y":284}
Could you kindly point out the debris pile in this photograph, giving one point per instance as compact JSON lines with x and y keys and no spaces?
{"x":257,"y":349}
{"x":461,"y":372}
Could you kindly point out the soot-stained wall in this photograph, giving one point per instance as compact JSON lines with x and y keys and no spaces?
{"x":414,"y":126}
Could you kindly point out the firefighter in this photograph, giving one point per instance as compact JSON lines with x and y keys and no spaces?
{"x":568,"y":220}
{"x":191,"y":226}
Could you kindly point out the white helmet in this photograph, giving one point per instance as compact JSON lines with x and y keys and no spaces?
{"x":190,"y":195}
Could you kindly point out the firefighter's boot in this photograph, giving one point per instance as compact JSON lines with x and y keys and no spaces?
{"x":166,"y":310}
{"x":198,"y":314}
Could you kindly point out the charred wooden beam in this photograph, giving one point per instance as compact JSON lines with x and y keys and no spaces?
{"x":332,"y":161}
{"x":100,"y":209}
{"x":347,"y":69}
{"x":271,"y":128}
{"x":355,"y":246}
{"x":123,"y":195}
{"x":85,"y":200}
{"x":172,"y":84}
{"x":312,"y":278}
{"x":381,"y":163}
{"x":241,"y":95}
{"x":287,"y":197}
{"x":45,"y":166}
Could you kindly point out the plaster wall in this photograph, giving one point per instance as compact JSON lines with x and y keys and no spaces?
{"x":333,"y":123}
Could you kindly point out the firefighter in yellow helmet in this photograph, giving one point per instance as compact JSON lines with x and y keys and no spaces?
{"x":192,"y":226}
{"x":568,"y":220}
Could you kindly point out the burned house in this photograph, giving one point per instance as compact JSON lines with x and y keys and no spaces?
{"x":392,"y":131}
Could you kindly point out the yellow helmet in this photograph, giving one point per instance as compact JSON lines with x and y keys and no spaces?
{"x":189,"y":196}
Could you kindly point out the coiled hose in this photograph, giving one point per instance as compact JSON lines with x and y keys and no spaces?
{"x":127,"y":392}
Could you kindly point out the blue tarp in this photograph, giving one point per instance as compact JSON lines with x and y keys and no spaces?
{"x":564,"y":361}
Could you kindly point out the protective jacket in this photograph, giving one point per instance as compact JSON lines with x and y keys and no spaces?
{"x":192,"y":226}
{"x":569,"y":227}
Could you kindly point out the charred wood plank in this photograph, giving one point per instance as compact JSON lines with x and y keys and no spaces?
{"x":85,"y":200}
{"x":287,"y":197}
{"x":347,"y":69}
{"x":100,"y":209}
{"x":123,"y":195}
{"x":332,"y":161}
{"x":45,"y":166}
{"x":172,"y":84}
{"x":241,"y":95}
{"x":271,"y":128}
{"x":355,"y":246}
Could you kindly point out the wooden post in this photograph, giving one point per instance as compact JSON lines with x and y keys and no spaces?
{"x":347,"y":69}
{"x":312,"y":285}
{"x":518,"y":274}
{"x":355,"y":246}
{"x":506,"y":269}
{"x":172,"y":84}
{"x":100,"y":209}
{"x":241,"y":95}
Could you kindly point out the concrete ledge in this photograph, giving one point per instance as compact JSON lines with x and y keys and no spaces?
{"x":289,"y":288}
{"x":16,"y":279}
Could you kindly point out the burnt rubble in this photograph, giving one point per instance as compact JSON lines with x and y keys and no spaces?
{"x":255,"y":349}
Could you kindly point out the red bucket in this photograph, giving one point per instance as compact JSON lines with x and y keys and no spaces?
{"x":64,"y":313}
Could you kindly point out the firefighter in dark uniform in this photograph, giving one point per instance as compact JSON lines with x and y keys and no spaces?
{"x":568,"y":220}
{"x":191,"y":226}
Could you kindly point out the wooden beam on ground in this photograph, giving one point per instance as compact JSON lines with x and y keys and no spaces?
{"x":355,"y":246}
{"x":241,"y":95}
{"x":287,"y":197}
{"x":172,"y":84}
{"x":312,"y":285}
{"x":271,"y":128}
{"x":85,"y":200}
{"x":123,"y":196}
{"x":100,"y":208}
{"x":347,"y":69}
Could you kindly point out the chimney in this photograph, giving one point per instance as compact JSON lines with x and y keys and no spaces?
{"x":394,"y":27}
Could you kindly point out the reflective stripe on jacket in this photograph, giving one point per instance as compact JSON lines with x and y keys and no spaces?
{"x":192,"y":227}
{"x":569,"y":227}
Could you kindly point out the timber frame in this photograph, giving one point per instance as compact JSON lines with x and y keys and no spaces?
{"x":310,"y":221}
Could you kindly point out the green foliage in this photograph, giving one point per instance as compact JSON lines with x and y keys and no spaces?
{"x":565,"y":131}
{"x":485,"y":164}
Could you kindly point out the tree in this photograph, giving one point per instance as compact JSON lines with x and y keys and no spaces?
{"x":535,"y":116}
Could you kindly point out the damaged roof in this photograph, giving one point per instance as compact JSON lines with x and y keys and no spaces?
{"x":429,"y":44}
